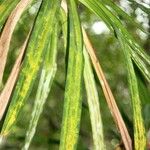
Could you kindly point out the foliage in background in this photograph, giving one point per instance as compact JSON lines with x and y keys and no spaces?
{"x":38,"y":69}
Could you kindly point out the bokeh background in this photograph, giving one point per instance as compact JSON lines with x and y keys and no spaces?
{"x":110,"y":56}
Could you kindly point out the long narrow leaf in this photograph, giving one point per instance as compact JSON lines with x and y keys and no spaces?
{"x":142,"y":7}
{"x":7,"y":33}
{"x":93,"y":103}
{"x":72,"y":101}
{"x":46,"y":79}
{"x":35,"y":51}
{"x":139,"y":62}
{"x":108,"y":95}
{"x":123,"y":14}
{"x":139,"y":129}
{"x":97,"y":7}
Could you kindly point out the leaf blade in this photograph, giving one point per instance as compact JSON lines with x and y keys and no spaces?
{"x":97,"y":7}
{"x":6,"y":6}
{"x":108,"y":94}
{"x":139,"y":129}
{"x":72,"y":100}
{"x":93,"y":103}
{"x":35,"y":52}
{"x":7,"y":91}
{"x":8,"y":31}
{"x":46,"y":79}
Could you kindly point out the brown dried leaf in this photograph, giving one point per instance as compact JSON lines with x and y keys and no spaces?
{"x":106,"y":89}
{"x":108,"y":94}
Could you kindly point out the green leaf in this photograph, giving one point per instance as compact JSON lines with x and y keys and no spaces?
{"x":46,"y":79}
{"x":6,"y":6}
{"x":93,"y":103}
{"x":142,"y":7}
{"x":140,"y":64}
{"x":108,"y":94}
{"x":73,"y":101}
{"x":114,"y":22}
{"x":10,"y":84}
{"x":35,"y":51}
{"x":123,"y":14}
{"x":139,"y":129}
{"x":7,"y":33}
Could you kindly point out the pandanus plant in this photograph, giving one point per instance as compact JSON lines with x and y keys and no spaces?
{"x":38,"y":54}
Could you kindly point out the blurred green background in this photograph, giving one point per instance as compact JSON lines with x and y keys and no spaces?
{"x":111,"y":58}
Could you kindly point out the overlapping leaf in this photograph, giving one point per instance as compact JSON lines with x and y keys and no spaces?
{"x":6,"y":35}
{"x":35,"y":51}
{"x":142,"y":7}
{"x":108,"y":95}
{"x":138,"y":54}
{"x":47,"y":75}
{"x":139,"y":129}
{"x":93,"y":103}
{"x":123,"y":14}
{"x":7,"y":91}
